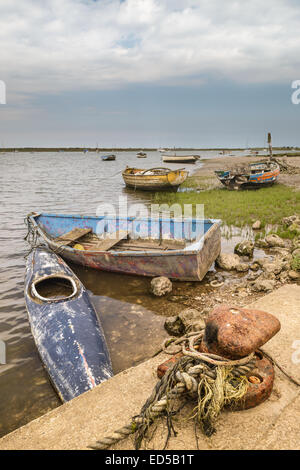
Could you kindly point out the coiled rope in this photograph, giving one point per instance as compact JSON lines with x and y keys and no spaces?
{"x":214,"y":380}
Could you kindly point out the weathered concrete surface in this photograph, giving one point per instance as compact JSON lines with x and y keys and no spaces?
{"x":272,"y":425}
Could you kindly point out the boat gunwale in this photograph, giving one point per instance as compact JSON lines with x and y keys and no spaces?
{"x":182,"y":252}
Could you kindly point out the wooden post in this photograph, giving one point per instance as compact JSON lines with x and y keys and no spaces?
{"x":270,"y":145}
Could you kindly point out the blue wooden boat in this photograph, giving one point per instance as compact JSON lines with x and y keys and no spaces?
{"x":64,"y":326}
{"x":182,"y":249}
{"x":106,"y":158}
{"x":256,"y":175}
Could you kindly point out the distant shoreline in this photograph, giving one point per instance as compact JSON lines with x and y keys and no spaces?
{"x":131,"y":149}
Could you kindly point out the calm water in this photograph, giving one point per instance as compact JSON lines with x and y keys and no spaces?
{"x":67,"y":183}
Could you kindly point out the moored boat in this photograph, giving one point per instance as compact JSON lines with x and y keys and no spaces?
{"x":64,"y":325}
{"x":141,"y":155}
{"x":174,"y":158}
{"x":255,"y":175}
{"x":182,"y":249}
{"x":154,"y":179}
{"x":106,"y":158}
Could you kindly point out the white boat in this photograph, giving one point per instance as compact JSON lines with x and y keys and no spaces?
{"x":174,"y":158}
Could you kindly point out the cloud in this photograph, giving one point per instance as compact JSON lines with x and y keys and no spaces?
{"x":67,"y":45}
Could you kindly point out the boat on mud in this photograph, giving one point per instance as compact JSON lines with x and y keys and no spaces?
{"x":154,"y":179}
{"x":253,"y":176}
{"x":107,"y":158}
{"x":64,"y":325}
{"x":174,"y":158}
{"x":141,"y":155}
{"x":179,"y":248}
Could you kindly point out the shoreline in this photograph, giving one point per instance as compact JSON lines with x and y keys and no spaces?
{"x":289,"y":150}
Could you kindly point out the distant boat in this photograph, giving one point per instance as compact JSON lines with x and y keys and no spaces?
{"x":182,"y":249}
{"x":106,"y":158}
{"x":255,"y":175}
{"x":64,"y":326}
{"x":141,"y":155}
{"x":174,"y":158}
{"x":154,"y":179}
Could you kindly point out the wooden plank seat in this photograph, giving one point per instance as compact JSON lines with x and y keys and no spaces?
{"x":105,"y":244}
{"x":72,"y":236}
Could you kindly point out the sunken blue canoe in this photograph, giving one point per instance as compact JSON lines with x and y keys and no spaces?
{"x":181,"y":249}
{"x":64,"y":326}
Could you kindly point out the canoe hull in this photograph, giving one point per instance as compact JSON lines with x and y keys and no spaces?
{"x":67,"y":333}
{"x":181,"y":264}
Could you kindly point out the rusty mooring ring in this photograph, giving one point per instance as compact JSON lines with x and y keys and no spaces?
{"x":260,"y":383}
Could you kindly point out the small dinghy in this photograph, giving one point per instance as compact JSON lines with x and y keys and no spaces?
{"x":64,"y":326}
{"x":253,"y":176}
{"x":174,"y":158}
{"x":154,"y":179}
{"x":107,"y":158}
{"x":182,"y":249}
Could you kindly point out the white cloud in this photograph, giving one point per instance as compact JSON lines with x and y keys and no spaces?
{"x":58,"y":45}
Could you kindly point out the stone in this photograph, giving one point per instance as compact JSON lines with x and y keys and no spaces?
{"x":228,"y":261}
{"x":256,"y":225}
{"x":280,"y":251}
{"x":261,"y":243}
{"x":274,"y":266}
{"x":263,"y":285}
{"x":274,"y":240}
{"x":235,"y":332}
{"x":244,"y":248}
{"x":192,"y":319}
{"x":242,"y":267}
{"x":291,"y":219}
{"x":294,"y":275}
{"x":284,"y":277}
{"x":174,"y":326}
{"x":252,"y":276}
{"x":254,"y":266}
{"x":160,"y":286}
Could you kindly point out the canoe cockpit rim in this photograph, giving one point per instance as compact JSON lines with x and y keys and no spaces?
{"x":34,"y":284}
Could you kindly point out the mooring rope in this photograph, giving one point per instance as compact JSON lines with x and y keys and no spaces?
{"x":193,"y":372}
{"x":32,"y":238}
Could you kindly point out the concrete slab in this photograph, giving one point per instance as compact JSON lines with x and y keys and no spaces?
{"x":272,"y":425}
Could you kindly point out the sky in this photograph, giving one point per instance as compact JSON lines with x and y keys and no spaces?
{"x":149,"y":73}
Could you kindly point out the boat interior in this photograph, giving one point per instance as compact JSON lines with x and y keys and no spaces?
{"x":123,"y":234}
{"x":152,"y":171}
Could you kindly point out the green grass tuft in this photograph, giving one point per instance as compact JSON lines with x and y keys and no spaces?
{"x":240,"y":208}
{"x":295,"y":264}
